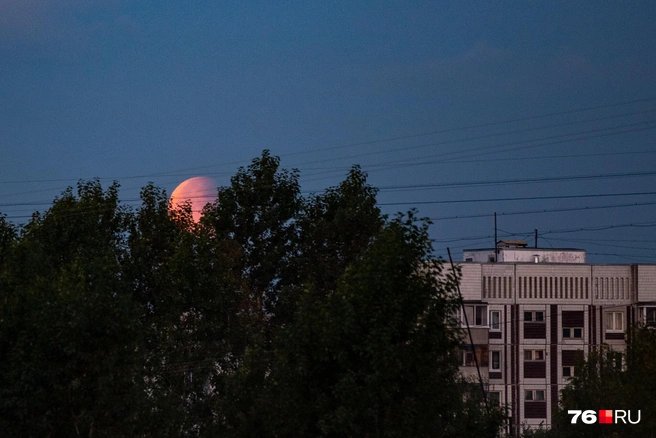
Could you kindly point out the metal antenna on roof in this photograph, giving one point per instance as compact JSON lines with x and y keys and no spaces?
{"x":496,"y":245}
{"x":536,"y":238}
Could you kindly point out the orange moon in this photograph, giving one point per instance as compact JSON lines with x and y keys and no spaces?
{"x":199,"y":191}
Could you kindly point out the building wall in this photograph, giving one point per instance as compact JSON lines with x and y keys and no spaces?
{"x":646,"y":289}
{"x":527,"y":255}
{"x":470,"y":283}
{"x":479,"y":256}
{"x":551,"y":313}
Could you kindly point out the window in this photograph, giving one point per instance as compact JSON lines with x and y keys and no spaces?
{"x":615,"y":358}
{"x":568,"y":371}
{"x":495,"y":360}
{"x":476,"y":315}
{"x":614,"y":321}
{"x":650,"y":316}
{"x":494,"y":397}
{"x":467,"y":356}
{"x":533,"y":355}
{"x":572,"y":333}
{"x":533,"y":316}
{"x":534,"y":395}
{"x":495,"y":320}
{"x":480,"y":317}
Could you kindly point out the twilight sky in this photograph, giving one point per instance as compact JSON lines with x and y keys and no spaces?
{"x":474,"y":102}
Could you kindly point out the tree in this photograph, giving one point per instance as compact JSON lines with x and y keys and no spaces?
{"x":608,"y":379}
{"x":276,"y":315}
{"x":254,"y":224}
{"x":336,"y":227}
{"x":8,"y":237}
{"x":255,"y":217}
{"x":194,"y":315}
{"x":68,"y":330}
{"x":374,"y":357}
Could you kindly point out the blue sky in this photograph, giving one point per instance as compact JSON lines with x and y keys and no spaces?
{"x":423,"y":95}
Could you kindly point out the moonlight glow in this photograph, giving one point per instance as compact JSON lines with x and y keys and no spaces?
{"x":199,"y":191}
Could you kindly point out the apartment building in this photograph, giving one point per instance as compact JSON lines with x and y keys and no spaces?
{"x":532,"y":312}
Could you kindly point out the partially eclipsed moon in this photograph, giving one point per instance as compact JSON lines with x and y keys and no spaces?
{"x":199,"y":191}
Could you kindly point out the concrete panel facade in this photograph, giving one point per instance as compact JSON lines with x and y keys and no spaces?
{"x":544,"y":315}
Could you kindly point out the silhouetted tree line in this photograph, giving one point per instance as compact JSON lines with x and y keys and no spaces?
{"x":277,"y":315}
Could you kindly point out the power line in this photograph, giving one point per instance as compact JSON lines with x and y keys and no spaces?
{"x":554,"y":210}
{"x":601,"y":132}
{"x":476,"y":126}
{"x":605,"y":176}
{"x":443,"y":158}
{"x":602,"y":228}
{"x":403,"y":137}
{"x":515,"y":181}
{"x":487,"y":160}
{"x":617,"y":240}
{"x":392,"y":165}
{"x":442,"y":131}
{"x":610,"y":245}
{"x":524,"y":198}
{"x":556,"y":231}
{"x":438,"y":218}
{"x":457,"y":184}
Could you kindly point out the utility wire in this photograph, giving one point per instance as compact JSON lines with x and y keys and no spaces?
{"x":396,"y":138}
{"x":561,"y":138}
{"x":480,"y":125}
{"x":82,"y":210}
{"x":484,"y":183}
{"x":553,"y":210}
{"x":557,"y":231}
{"x":487,"y":183}
{"x":524,"y":198}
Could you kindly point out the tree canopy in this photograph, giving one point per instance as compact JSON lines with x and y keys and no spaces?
{"x":276,"y":315}
{"x":615,"y":380}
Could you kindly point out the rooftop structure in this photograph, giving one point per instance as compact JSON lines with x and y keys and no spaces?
{"x":516,"y":251}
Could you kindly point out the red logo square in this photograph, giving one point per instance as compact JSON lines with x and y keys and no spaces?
{"x":605,"y":416}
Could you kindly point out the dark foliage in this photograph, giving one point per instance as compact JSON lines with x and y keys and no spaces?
{"x":277,"y":315}
{"x":609,"y":379}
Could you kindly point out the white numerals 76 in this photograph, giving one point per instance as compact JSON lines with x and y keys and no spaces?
{"x":576,"y":414}
{"x":589,"y":417}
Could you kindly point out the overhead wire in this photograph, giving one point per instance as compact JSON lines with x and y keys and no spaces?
{"x":591,"y":242}
{"x":521,"y":198}
{"x":480,"y":125}
{"x":76,"y":210}
{"x":562,"y":138}
{"x":489,"y":183}
{"x":435,"y":132}
{"x":472,"y":155}
{"x":445,"y":160}
{"x":403,"y":137}
{"x":485,"y":183}
{"x":397,"y":164}
{"x":553,"y":210}
{"x":604,"y":228}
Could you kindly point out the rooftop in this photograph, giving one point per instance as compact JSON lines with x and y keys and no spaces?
{"x":519,"y":248}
